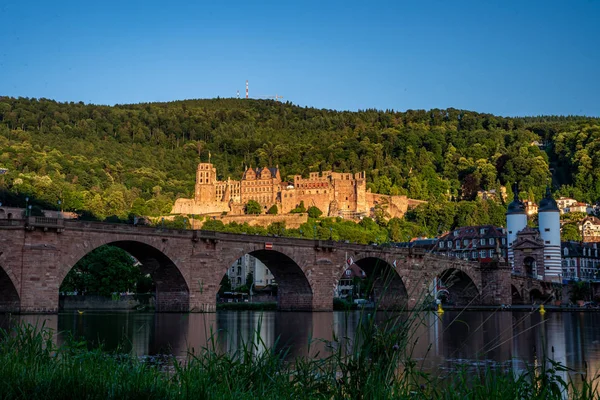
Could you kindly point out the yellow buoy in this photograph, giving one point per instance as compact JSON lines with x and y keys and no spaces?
{"x":542,"y":310}
{"x":440,"y":310}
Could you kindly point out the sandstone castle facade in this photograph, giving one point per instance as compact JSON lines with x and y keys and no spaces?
{"x":334,"y":193}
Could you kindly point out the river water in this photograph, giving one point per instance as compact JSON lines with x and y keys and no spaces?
{"x":503,"y":338}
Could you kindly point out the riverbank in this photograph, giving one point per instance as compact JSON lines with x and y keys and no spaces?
{"x":520,"y":307}
{"x":376,"y":365}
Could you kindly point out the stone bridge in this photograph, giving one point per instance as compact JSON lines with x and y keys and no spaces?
{"x":187,"y":266}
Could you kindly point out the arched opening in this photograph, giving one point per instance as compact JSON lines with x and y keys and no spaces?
{"x":352,"y":288}
{"x":383,"y":286}
{"x":248,"y":280}
{"x":9,"y":297}
{"x":516,"y":295}
{"x":152,"y":272}
{"x":267,"y":276}
{"x":460,"y":288}
{"x":530,"y":266}
{"x":2,"y":213}
{"x":537,"y":297}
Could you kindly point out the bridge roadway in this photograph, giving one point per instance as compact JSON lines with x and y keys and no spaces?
{"x":187,"y":266}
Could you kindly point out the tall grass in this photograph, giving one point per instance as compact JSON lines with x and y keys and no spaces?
{"x":376,"y":364}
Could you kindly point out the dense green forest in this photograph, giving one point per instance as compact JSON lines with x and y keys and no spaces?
{"x":137,"y":159}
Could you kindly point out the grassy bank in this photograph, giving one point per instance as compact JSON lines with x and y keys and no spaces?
{"x":266,"y":306}
{"x":376,"y":365}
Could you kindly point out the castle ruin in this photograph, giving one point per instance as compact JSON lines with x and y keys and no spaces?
{"x":334,"y":193}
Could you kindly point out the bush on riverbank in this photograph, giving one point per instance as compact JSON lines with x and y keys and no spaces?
{"x":376,"y":365}
{"x":242,"y":306}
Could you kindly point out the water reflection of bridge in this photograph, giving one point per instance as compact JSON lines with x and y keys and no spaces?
{"x":499,"y":338}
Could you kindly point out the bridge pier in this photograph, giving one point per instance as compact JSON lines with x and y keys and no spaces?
{"x":40,"y":282}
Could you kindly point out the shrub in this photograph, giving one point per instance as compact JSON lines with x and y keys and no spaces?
{"x":314,"y":212}
{"x":273,"y":210}
{"x":252,"y":207}
{"x":299,"y":209}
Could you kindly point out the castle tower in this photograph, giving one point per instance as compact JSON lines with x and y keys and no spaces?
{"x":549,"y":224}
{"x":205,"y":189}
{"x":516,"y":220}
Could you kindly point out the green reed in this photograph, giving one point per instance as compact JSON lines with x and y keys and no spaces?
{"x":375,"y":363}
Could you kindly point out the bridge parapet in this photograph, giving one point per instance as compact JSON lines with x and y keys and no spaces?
{"x":45,"y":223}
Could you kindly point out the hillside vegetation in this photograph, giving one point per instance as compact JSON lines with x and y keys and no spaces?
{"x":139,"y":158}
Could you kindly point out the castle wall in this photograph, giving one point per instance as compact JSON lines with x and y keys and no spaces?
{"x":395,"y":206}
{"x":334,"y":193}
{"x":190,"y":206}
{"x":292,"y":221}
{"x":288,"y":200}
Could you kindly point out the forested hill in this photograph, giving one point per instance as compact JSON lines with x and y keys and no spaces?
{"x":139,"y":158}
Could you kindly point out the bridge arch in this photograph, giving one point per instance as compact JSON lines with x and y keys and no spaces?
{"x":536,"y":296}
{"x":461,"y":287}
{"x":172,"y":288}
{"x":9,"y":296}
{"x":387,"y":289}
{"x":517,"y":297}
{"x":294,"y":286}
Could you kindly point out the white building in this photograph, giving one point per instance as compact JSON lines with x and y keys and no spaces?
{"x":590,"y":229}
{"x":516,"y":221}
{"x":249,"y":264}
{"x":564,"y":203}
{"x":535,"y":251}
{"x":549,"y":227}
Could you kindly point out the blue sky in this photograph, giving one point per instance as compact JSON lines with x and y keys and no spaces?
{"x":502,"y":57}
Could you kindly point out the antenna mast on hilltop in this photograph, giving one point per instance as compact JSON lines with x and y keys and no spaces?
{"x":246,"y":88}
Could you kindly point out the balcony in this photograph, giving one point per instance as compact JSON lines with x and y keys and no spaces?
{"x":45,"y":223}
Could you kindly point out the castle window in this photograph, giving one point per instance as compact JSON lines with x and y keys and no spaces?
{"x":441,"y":245}
{"x":481,"y":241}
{"x":491,"y":241}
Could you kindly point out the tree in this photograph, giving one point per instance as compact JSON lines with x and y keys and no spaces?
{"x":249,"y":279}
{"x":103,"y":271}
{"x":570,"y":232}
{"x":299,"y":209}
{"x":273,"y":210}
{"x":225,"y":284}
{"x":252,"y":207}
{"x":314,"y":212}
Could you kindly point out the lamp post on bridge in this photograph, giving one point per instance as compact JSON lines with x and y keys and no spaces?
{"x":26,"y":205}
{"x":60,"y":209}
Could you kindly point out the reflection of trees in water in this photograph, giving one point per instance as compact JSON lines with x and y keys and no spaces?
{"x":283,"y":330}
{"x":468,"y":336}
